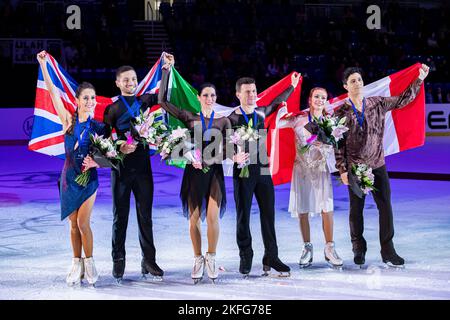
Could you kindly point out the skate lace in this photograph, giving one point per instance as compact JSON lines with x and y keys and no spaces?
{"x":331,"y":251}
{"x":89,"y":266}
{"x":211,"y":263}
{"x":198,"y":262}
{"x":306,"y":250}
{"x":75,"y":269}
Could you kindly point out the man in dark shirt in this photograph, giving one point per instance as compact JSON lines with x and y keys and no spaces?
{"x":134,"y":175}
{"x":363,"y":144}
{"x":259,"y":181}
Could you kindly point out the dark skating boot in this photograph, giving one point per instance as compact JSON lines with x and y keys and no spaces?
{"x":393,"y":260}
{"x":245,"y":264}
{"x":275,"y":263}
{"x":152,"y":268}
{"x":359,"y":257}
{"x":118,"y":269}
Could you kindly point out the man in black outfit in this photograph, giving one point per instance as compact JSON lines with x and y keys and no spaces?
{"x":134,"y":175}
{"x":259,"y":183}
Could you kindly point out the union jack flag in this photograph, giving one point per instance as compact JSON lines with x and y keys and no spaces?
{"x":47,"y":136}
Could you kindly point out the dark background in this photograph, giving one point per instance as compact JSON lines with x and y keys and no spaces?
{"x":220,"y":41}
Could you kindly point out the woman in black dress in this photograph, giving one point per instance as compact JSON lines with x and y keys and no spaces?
{"x":202,"y":190}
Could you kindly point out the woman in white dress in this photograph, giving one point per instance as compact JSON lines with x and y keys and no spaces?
{"x":311,"y":189}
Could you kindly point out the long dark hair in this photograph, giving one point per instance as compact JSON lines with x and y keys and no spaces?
{"x":81,"y":87}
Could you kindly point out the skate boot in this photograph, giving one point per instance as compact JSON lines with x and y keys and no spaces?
{"x":90,"y":271}
{"x":118,"y":269}
{"x":359,"y":258}
{"x":307,"y":255}
{"x":245,"y":264}
{"x":152,"y":268}
{"x":393,"y":260}
{"x":331,"y":256}
{"x":76,"y":272}
{"x":210,"y":262}
{"x":275,"y":263}
{"x":198,"y":269}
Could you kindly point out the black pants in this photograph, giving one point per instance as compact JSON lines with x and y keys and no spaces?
{"x":262,"y":187}
{"x":142,"y":186}
{"x":382,"y":199}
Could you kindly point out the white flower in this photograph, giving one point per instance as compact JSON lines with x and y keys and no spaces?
{"x":178,"y":133}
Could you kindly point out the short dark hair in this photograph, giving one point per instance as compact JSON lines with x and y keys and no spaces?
{"x":206,"y":85}
{"x":349,"y":71}
{"x":244,"y":80}
{"x":82,"y":86}
{"x":123,"y":69}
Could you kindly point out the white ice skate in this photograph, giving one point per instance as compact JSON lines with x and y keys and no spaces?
{"x":91,"y":273}
{"x":76,"y":272}
{"x":198,"y":269}
{"x":307,"y":255}
{"x":331,"y":256}
{"x":210,"y":262}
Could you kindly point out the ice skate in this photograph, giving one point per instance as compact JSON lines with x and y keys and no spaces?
{"x":198,"y":269}
{"x":359,"y":258}
{"x":76,"y":272}
{"x":393,"y":260}
{"x":152,"y":268}
{"x":118,"y":270}
{"x":90,"y":271}
{"x":307,"y":255}
{"x":245,"y":264}
{"x":275,"y":263}
{"x":210,"y":263}
{"x":332,"y":257}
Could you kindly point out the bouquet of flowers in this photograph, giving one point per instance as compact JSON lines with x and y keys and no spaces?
{"x":243,"y":135}
{"x":328,"y":129}
{"x":195,"y":155}
{"x":104,"y":152}
{"x":361,"y":179}
{"x":145,"y":129}
{"x":171,"y":140}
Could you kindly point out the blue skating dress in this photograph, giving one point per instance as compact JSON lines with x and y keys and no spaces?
{"x":72,"y":194}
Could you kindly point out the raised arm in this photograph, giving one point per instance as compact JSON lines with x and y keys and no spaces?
{"x":63,"y":114}
{"x":407,"y":96}
{"x":295,"y":78}
{"x":180,"y":114}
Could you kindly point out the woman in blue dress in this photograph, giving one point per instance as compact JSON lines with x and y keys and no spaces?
{"x":77,"y":201}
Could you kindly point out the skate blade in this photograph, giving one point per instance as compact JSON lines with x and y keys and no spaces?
{"x":304,"y":266}
{"x":335,"y":267}
{"x":213,"y":280}
{"x":276,"y":274}
{"x":76,"y":284}
{"x":395,"y":267}
{"x":197,"y":280}
{"x":151,"y":277}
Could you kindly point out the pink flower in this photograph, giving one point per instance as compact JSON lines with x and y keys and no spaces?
{"x":235,"y":138}
{"x":312,"y":139}
{"x":111,"y":154}
{"x":338,"y":132}
{"x":197,"y":155}
{"x":130,"y":139}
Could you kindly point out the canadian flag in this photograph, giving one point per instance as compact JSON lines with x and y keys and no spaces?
{"x":404,"y":128}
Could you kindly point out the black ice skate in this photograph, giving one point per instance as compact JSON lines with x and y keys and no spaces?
{"x":393,"y":260}
{"x":359,"y":258}
{"x":275,"y":263}
{"x":118,"y":269}
{"x":152,"y":268}
{"x":245,"y":264}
